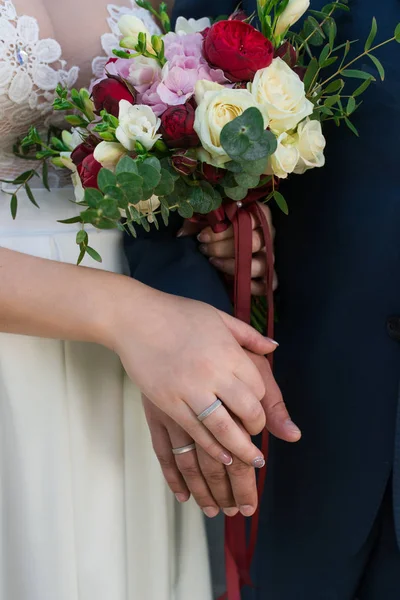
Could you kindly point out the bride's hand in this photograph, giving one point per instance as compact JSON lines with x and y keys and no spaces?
{"x":184,"y":355}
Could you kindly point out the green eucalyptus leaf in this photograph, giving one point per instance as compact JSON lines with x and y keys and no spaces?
{"x":93,"y":254}
{"x":314,"y":32}
{"x":93,"y":197}
{"x":166,"y":184}
{"x":109,"y":209}
{"x":26,"y":176}
{"x":334,"y":86}
{"x":331,"y":101}
{"x":255,"y":167}
{"x":372,"y":34}
{"x":89,"y":216}
{"x":71,"y":220}
{"x":329,"y":61}
{"x":116,"y":193}
{"x":126,"y":165}
{"x":30,"y":195}
{"x":247,"y":181}
{"x":397,"y":33}
{"x":237,"y":135}
{"x":236,"y":193}
{"x":379,"y":66}
{"x":82,"y":237}
{"x":151,"y":177}
{"x":81,"y":255}
{"x":356,"y":74}
{"x":234,"y":166}
{"x":153,"y":162}
{"x":165,"y":213}
{"x":185,"y":210}
{"x":262,"y":148}
{"x":201,"y":200}
{"x":324,"y":55}
{"x":106,"y":178}
{"x":281,"y":202}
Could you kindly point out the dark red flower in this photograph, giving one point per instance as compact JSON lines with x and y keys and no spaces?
{"x":177,"y":127}
{"x":238,"y":15}
{"x":238,"y":49}
{"x":259,"y":193}
{"x":88,"y":171}
{"x":287,"y":53}
{"x":300,"y":71}
{"x":84,"y":149}
{"x":212,"y":174}
{"x":184,"y":162}
{"x":108,"y":93}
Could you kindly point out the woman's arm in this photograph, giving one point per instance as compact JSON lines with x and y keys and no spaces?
{"x":181,"y":353}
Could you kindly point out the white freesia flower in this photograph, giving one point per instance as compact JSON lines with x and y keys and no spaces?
{"x":280,"y":90}
{"x":131,"y":26}
{"x":292,"y":13}
{"x":108,"y":154}
{"x":78,"y":187}
{"x":310,"y":145}
{"x":73,"y":138}
{"x":137,"y":123}
{"x":185,"y":26}
{"x":217,"y":106}
{"x":65,"y":158}
{"x":285,"y":157}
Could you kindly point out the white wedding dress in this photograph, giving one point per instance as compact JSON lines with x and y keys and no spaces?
{"x":84,"y":511}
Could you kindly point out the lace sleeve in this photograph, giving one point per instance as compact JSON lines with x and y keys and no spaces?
{"x":110,"y":41}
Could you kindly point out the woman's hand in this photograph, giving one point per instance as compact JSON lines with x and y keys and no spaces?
{"x":220,"y":248}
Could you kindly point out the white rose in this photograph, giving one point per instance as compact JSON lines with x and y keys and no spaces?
{"x":281,"y":91}
{"x":285,"y":157}
{"x":217,"y":106}
{"x":186,"y":26}
{"x":108,"y":154}
{"x":292,"y":13}
{"x":310,"y":144}
{"x":137,"y":123}
{"x":130,"y":27}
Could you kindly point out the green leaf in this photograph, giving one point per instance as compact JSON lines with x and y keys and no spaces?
{"x":334,"y":86}
{"x":379,"y":66}
{"x":255,"y":167}
{"x":397,"y":33}
{"x":82,"y":237}
{"x":105,"y":179}
{"x":131,"y":228}
{"x":93,"y":197}
{"x":281,"y":202}
{"x":331,"y":29}
{"x":26,"y":176}
{"x":201,"y":200}
{"x":109,"y":209}
{"x":165,"y":213}
{"x":329,"y":61}
{"x":351,"y":105}
{"x":372,"y":34}
{"x":185,"y":210}
{"x":309,"y":77}
{"x":356,"y":74}
{"x":331,"y":101}
{"x":95,"y":255}
{"x":351,"y":126}
{"x":126,"y":165}
{"x":324,"y":55}
{"x":14,"y":205}
{"x":247,"y":181}
{"x":45,"y":175}
{"x":81,"y":255}
{"x":237,"y":135}
{"x":360,"y":90}
{"x":153,"y":162}
{"x":131,"y":186}
{"x":115,"y":193}
{"x":30,"y":195}
{"x":151,"y":177}
{"x":71,"y":220}
{"x":234,"y":167}
{"x":166,"y":184}
{"x":262,"y":148}
{"x":314,"y":32}
{"x":236,"y":193}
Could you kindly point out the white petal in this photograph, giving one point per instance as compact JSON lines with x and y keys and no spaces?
{"x":45,"y":77}
{"x":7,"y":31}
{"x":6,"y":72}
{"x":48,"y":51}
{"x":20,"y":87}
{"x":109,"y":41}
{"x":28,"y":29}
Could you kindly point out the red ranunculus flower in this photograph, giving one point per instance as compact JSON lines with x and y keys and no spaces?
{"x":288,"y":53}
{"x":177,"y":127}
{"x":84,"y":149}
{"x":212,"y":174}
{"x":88,"y":171}
{"x":238,"y":49}
{"x":108,"y":93}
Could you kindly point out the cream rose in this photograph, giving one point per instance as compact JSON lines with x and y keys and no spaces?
{"x":130,"y":27}
{"x":292,"y":13}
{"x":217,"y":106}
{"x":280,"y":90}
{"x":186,"y":26}
{"x":137,"y":123}
{"x":285,"y":157}
{"x":310,"y":145}
{"x":146,"y":207}
{"x":108,"y":154}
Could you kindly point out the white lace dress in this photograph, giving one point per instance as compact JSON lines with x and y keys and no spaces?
{"x":84,"y":511}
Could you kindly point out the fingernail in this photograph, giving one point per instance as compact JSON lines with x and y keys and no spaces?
{"x":226,"y":459}
{"x":231,"y":512}
{"x":292,"y":427}
{"x":181,"y":498}
{"x":204,"y":237}
{"x":273,"y":341}
{"x":217,"y":262}
{"x":203,"y":249}
{"x":258,"y":463}
{"x":247,"y":510}
{"x":180,"y":233}
{"x":210,"y":511}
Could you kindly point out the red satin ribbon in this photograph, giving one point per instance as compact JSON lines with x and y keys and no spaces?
{"x":239,"y":553}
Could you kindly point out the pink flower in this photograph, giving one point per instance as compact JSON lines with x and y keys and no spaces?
{"x":177,"y":85}
{"x":140,"y":71}
{"x":152,"y":99}
{"x":183,"y":45}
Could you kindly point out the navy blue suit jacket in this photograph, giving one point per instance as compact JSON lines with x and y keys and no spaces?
{"x":338,"y":263}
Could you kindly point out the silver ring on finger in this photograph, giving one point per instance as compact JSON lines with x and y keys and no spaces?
{"x":208,"y":411}
{"x":184,"y":449}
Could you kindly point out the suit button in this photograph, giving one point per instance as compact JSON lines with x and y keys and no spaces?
{"x":393,"y":328}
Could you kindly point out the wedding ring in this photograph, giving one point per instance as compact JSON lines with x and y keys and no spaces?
{"x":184,"y":449}
{"x":206,"y":413}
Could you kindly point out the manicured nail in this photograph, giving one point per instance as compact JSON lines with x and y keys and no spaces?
{"x":273,"y":341}
{"x":204,"y":237}
{"x":226,"y":459}
{"x":247,"y":510}
{"x":217,"y":262}
{"x":180,"y":233}
{"x":210,"y":511}
{"x":181,"y":498}
{"x":231,"y":512}
{"x":258,"y":463}
{"x":292,"y":427}
{"x":203,"y":249}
